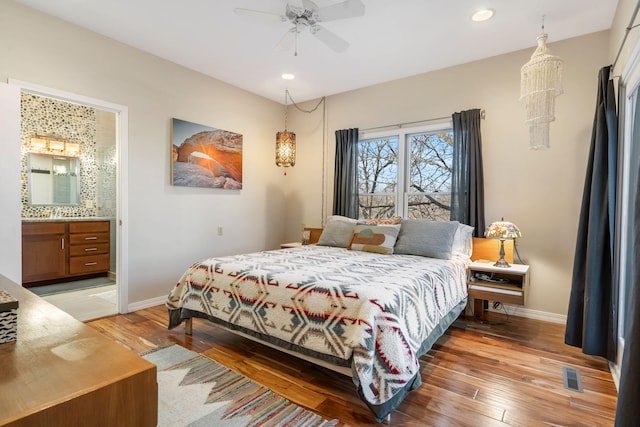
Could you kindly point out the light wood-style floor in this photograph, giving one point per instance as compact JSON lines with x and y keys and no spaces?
{"x":507,"y":372}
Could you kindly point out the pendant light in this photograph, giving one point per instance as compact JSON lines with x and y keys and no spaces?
{"x":540,"y":84}
{"x":285,"y":142}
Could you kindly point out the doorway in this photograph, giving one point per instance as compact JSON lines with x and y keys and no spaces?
{"x":103,"y":126}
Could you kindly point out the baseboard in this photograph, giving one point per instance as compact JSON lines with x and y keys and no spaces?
{"x":518,"y":310}
{"x":614,"y":367}
{"x":141,"y":305}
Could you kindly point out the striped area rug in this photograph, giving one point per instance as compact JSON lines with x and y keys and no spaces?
{"x":193,"y":390}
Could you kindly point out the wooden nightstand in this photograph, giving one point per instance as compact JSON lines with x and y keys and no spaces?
{"x":505,"y":285}
{"x":290,"y":245}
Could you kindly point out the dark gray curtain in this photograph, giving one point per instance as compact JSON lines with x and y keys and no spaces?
{"x":467,"y":177}
{"x":593,"y":303}
{"x":345,"y":189}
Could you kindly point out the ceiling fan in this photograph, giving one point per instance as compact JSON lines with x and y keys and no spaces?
{"x":309,"y":16}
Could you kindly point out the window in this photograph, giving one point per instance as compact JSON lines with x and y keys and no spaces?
{"x":406,"y":172}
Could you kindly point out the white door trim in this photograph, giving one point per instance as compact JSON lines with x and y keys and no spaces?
{"x":122,"y":143}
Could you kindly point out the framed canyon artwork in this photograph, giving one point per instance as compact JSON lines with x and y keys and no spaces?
{"x":203,"y":156}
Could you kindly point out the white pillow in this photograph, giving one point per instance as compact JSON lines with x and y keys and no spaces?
{"x":463,"y":240}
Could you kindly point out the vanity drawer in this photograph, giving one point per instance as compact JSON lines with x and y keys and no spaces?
{"x":88,"y":264}
{"x":36,"y":228}
{"x":88,"y":238}
{"x":90,"y":249}
{"x":89,"y":227}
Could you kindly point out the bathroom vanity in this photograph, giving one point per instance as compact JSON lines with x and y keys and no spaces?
{"x":64,"y":248}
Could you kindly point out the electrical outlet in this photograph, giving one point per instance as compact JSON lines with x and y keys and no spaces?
{"x":220,"y":230}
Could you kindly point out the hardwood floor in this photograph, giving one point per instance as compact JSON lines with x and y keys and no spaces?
{"x":507,"y":372}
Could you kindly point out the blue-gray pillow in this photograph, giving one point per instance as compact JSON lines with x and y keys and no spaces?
{"x":337,"y":232}
{"x":426,"y":238}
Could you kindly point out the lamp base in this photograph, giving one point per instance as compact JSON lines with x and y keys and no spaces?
{"x":502,"y":262}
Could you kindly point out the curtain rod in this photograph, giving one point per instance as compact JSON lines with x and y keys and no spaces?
{"x":401,"y":125}
{"x":626,"y":34}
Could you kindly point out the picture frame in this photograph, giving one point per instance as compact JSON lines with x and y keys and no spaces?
{"x":204,"y":156}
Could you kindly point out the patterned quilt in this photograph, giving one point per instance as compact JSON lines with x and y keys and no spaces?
{"x":378,"y":313}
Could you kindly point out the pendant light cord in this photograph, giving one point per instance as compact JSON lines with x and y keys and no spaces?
{"x":288,"y":95}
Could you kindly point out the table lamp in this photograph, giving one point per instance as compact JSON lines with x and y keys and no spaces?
{"x":502,"y":230}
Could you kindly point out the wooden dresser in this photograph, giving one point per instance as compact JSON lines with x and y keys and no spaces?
{"x":61,"y":372}
{"x":60,"y":249}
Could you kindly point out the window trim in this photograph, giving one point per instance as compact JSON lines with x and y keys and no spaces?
{"x":403,"y":134}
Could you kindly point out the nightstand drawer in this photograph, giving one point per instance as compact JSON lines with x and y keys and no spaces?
{"x":507,"y":295}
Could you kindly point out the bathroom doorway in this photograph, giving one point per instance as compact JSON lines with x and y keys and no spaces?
{"x":99,"y":128}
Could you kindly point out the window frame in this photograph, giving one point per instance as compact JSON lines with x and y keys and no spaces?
{"x":403,"y":134}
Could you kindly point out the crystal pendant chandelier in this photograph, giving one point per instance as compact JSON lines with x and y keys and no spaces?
{"x":540,"y":83}
{"x":285,"y":142}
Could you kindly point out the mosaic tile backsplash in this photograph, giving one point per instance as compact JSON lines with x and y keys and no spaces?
{"x":75,"y":123}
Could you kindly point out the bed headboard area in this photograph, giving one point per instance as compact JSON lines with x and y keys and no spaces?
{"x":314,"y":234}
{"x":489,"y":250}
{"x":483,"y":249}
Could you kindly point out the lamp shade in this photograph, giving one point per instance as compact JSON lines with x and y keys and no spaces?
{"x":285,"y":149}
{"x":503,"y":230}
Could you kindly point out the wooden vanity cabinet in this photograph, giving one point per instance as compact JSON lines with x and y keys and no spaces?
{"x":44,"y":254}
{"x":55,"y":250}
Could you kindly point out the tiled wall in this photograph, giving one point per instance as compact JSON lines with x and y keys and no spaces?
{"x":75,"y":123}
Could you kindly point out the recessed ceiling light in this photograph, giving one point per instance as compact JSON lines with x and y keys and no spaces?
{"x":483,"y":15}
{"x":288,"y":76}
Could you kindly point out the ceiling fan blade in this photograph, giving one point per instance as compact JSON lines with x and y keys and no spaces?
{"x":259,"y":13}
{"x":287,"y":41}
{"x":346,"y":9}
{"x":309,"y":5}
{"x":329,"y":38}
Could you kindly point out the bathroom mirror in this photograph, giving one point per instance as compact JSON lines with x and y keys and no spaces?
{"x":53,"y":180}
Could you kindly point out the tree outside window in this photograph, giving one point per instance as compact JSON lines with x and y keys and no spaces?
{"x":411,"y":179}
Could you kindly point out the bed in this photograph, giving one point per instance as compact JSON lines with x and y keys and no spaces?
{"x":371,"y":298}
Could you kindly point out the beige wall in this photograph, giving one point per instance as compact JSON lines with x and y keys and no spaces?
{"x":169,"y":227}
{"x":540,"y":191}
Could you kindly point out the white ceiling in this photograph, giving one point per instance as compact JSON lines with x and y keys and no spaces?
{"x":394,"y":39}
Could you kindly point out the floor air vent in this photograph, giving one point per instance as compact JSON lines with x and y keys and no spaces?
{"x":571,"y":378}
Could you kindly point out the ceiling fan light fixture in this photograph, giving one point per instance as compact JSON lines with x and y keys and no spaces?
{"x":483,"y":15}
{"x":288,"y":76}
{"x":308,"y":17}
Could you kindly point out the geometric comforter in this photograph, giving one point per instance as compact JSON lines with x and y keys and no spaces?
{"x":375,"y":313}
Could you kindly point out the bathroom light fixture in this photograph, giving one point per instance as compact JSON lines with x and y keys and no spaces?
{"x":285,"y":142}
{"x":72,"y":149}
{"x":540,"y":84}
{"x":483,"y":15}
{"x":38,"y":144}
{"x":53,"y":145}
